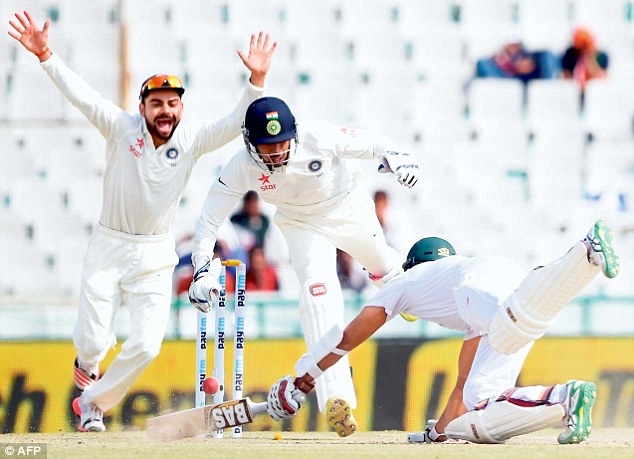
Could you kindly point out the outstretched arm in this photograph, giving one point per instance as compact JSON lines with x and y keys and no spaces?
{"x":33,"y":39}
{"x":369,"y":320}
{"x":259,"y":58}
{"x":322,"y":355}
{"x":455,"y":405}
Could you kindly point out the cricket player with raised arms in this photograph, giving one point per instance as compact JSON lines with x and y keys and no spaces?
{"x":502,"y":310}
{"x":308,"y":172}
{"x":131,"y":257}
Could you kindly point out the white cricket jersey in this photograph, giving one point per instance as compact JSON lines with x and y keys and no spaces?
{"x":320,"y":175}
{"x":142,"y":185}
{"x":456,"y":292}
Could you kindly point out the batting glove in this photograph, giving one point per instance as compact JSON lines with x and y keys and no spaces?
{"x":402,"y":165}
{"x":429,"y":435}
{"x":284,"y":399}
{"x":205,"y":288}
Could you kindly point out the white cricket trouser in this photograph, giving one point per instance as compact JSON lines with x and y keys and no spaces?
{"x":131,"y":271}
{"x":478,"y":300}
{"x":355,"y":229}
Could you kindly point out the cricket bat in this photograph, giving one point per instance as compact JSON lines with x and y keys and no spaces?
{"x":204,"y":419}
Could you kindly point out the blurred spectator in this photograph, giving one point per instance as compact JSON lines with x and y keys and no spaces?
{"x":261,"y":276}
{"x":514,"y":61}
{"x":396,"y":226}
{"x":351,"y":275}
{"x":582,"y":60}
{"x":251,"y":220}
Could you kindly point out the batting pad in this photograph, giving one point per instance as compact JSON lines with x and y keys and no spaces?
{"x":529,"y":312}
{"x":500,"y":421}
{"x":320,"y":309}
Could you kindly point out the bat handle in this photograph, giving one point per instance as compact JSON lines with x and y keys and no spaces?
{"x":260,"y":407}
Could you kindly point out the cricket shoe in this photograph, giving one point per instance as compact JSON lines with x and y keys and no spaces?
{"x":339,"y":416}
{"x":580,"y":398}
{"x":600,"y":250}
{"x":85,"y":375}
{"x":90,"y":416}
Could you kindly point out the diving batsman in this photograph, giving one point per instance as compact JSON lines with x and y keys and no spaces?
{"x":501,"y":310}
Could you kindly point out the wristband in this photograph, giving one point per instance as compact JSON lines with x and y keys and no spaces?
{"x":46,"y":50}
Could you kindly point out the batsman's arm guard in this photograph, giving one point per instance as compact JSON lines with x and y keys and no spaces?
{"x":530,"y":311}
{"x":326,"y":345}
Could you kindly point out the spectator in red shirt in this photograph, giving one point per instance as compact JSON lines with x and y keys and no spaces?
{"x":261,"y":276}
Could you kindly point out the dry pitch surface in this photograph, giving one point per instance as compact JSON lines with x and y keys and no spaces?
{"x":603,"y":443}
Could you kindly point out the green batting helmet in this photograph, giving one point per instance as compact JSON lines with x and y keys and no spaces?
{"x":428,"y":249}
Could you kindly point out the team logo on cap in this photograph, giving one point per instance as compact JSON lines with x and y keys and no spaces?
{"x":273,"y":125}
{"x":443,"y":252}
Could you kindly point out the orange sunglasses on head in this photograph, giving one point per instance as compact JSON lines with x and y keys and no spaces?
{"x":161,"y":82}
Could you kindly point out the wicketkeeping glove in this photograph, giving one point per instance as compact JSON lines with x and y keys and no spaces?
{"x":402,"y":165}
{"x":205,"y":288}
{"x":284,"y":399}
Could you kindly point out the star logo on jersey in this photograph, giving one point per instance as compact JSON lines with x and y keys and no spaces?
{"x":265,"y":179}
{"x":266,"y":183}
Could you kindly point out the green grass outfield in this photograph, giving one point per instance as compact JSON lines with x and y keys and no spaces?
{"x":603,"y":443}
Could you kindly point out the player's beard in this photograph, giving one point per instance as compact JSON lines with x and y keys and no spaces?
{"x":154,"y":130}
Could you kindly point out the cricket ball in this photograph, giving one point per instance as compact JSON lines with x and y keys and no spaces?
{"x":211,"y":385}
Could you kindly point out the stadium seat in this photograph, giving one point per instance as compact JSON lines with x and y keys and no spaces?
{"x":33,"y":96}
{"x":419,"y":16}
{"x":84,"y":198}
{"x":478,"y":17}
{"x":358,"y":17}
{"x":609,"y":109}
{"x":18,"y":161}
{"x":20,"y":265}
{"x":208,"y":16}
{"x":36,"y":197}
{"x":313,"y":17}
{"x":251,"y":16}
{"x":609,"y":171}
{"x":552,"y":103}
{"x":385,"y":48}
{"x":495,"y":100}
{"x":603,"y":16}
{"x":87,"y":51}
{"x":440,"y":55}
{"x":545,"y":24}
{"x":316,"y":51}
{"x":555,"y":171}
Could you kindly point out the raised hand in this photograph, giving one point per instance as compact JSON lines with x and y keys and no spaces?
{"x":258,"y":61}
{"x":26,"y":32}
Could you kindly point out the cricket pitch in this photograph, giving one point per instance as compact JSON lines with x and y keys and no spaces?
{"x":610,"y":442}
